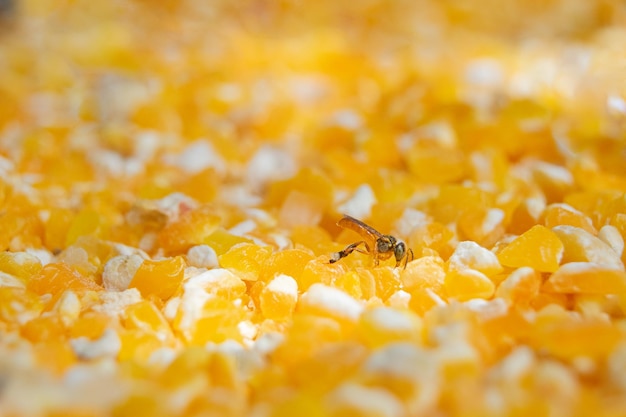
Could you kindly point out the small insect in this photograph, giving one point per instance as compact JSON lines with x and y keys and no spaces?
{"x":380,"y":246}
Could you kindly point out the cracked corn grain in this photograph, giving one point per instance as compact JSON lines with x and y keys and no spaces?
{"x":171,"y":175}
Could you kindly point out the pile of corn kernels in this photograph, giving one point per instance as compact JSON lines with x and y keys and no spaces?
{"x":171,"y":175}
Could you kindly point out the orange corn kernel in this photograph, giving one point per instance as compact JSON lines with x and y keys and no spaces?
{"x":145,"y":316}
{"x":86,"y":222}
{"x":386,"y":279}
{"x":433,"y":236}
{"x":312,"y":237}
{"x":367,"y":284}
{"x":424,"y":272}
{"x":55,"y":355}
{"x":200,"y":186}
{"x":563,"y":214}
{"x":546,"y":299}
{"x":525,"y":215}
{"x":160,"y":278}
{"x":466,"y":284}
{"x":555,"y":181}
{"x":245,"y":260}
{"x":306,"y":181}
{"x":424,"y":299}
{"x":18,"y":305}
{"x":438,"y":165}
{"x":350,"y":283}
{"x":454,"y":200}
{"x":586,"y":278}
{"x":138,"y":344}
{"x":538,"y":248}
{"x":319,"y":270}
{"x":218,"y":320}
{"x":383,"y":325}
{"x":221,"y":240}
{"x":350,"y":399}
{"x":191,"y":362}
{"x":91,"y":325}
{"x":192,"y":228}
{"x":68,"y":307}
{"x":44,"y":328}
{"x":331,"y":302}
{"x":222,"y":371}
{"x":22,"y":265}
{"x":20,"y":230}
{"x":469,"y":254}
{"x":308,"y":334}
{"x":55,"y":278}
{"x":581,"y":246}
{"x":347,"y":357}
{"x":301,"y":209}
{"x":569,"y":338}
{"x":520,"y":287}
{"x":484,"y":226}
{"x":220,"y":282}
{"x":611,"y":236}
{"x":279,"y":297}
{"x":140,"y":406}
{"x":393,"y":367}
{"x":288,"y":262}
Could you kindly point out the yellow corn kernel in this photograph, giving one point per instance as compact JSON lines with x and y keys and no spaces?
{"x":538,"y":248}
{"x":383,"y":325}
{"x":160,"y":278}
{"x":245,"y":260}
{"x":279,"y":297}
{"x":467,"y":284}
{"x":586,"y":278}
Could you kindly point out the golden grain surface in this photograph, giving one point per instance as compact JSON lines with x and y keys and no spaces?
{"x":171,"y":175}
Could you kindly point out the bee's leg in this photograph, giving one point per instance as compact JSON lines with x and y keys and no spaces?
{"x":347,"y":251}
{"x":409,"y":254}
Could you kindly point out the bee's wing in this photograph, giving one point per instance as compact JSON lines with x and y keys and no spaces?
{"x":366,"y":232}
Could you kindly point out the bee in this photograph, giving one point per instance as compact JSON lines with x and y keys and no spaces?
{"x":380,"y":246}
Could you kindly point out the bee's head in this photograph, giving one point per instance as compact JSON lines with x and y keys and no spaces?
{"x":399,"y":251}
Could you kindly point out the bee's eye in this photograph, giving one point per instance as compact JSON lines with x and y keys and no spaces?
{"x":399,"y":251}
{"x":382,"y":245}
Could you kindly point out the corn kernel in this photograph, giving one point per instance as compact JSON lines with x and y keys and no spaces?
{"x":563,"y":214}
{"x":361,"y":401}
{"x":329,"y":302}
{"x":520,"y":287}
{"x":468,"y":283}
{"x":159,"y":278}
{"x":191,"y":228}
{"x":567,"y":338}
{"x":581,"y":246}
{"x":384,"y":325}
{"x":19,"y":264}
{"x":55,"y":278}
{"x":169,"y":198}
{"x":538,"y":248}
{"x":471,"y":255}
{"x":245,"y":260}
{"x":278,"y":298}
{"x":290,"y":262}
{"x":611,"y":236}
{"x":119,"y":271}
{"x":586,"y":278}
{"x":90,"y":325}
{"x":42,"y":329}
